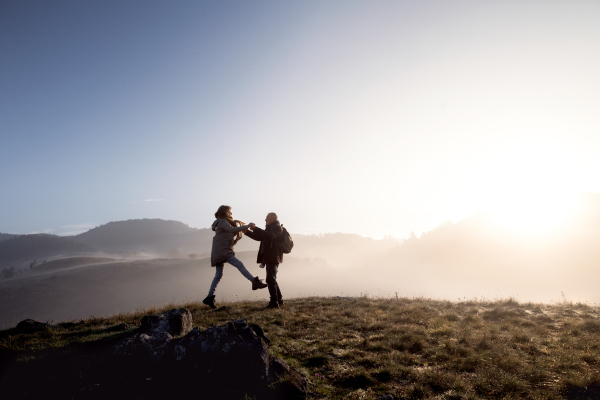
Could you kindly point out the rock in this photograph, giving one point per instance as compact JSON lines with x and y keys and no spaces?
{"x":240,"y":350}
{"x":144,"y":346}
{"x":232,"y":349}
{"x":260,"y":333}
{"x":387,"y":397}
{"x":29,"y":325}
{"x":229,"y":360}
{"x":292,"y":386}
{"x":175,"y":322}
{"x":279,"y":367}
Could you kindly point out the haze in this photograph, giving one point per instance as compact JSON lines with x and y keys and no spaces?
{"x":137,"y":264}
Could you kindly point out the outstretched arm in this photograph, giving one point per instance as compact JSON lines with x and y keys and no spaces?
{"x":274,"y":234}
{"x":254,"y":235}
{"x":227,"y":226}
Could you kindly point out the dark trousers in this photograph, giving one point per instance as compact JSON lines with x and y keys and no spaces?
{"x":272,"y":283}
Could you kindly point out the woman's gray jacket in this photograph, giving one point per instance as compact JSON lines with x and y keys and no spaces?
{"x":222,"y":245}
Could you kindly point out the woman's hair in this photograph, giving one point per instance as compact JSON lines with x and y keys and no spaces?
{"x":222,"y":212}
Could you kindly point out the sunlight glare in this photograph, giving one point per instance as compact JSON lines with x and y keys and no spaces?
{"x":529,"y":191}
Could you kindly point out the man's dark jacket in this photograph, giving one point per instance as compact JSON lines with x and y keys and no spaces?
{"x":270,"y":251}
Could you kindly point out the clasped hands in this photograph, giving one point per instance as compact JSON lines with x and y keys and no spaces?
{"x":251,"y":225}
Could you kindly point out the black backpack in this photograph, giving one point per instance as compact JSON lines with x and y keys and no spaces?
{"x":286,"y":241}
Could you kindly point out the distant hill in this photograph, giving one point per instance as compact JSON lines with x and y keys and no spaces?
{"x":6,"y":236}
{"x":19,"y":251}
{"x":158,"y":236}
{"x":149,"y":236}
{"x":173,"y":239}
{"x":479,"y":241}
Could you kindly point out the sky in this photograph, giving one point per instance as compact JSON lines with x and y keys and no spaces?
{"x":376,"y":118}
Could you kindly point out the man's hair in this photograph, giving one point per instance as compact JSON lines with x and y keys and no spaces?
{"x":274,"y":214}
{"x":221,"y":212}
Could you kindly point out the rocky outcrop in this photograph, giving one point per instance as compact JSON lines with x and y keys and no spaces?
{"x":29,"y":325}
{"x":233,"y":349}
{"x":225,"y":361}
{"x":155,"y":333}
{"x":144,"y":347}
{"x":175,"y":322}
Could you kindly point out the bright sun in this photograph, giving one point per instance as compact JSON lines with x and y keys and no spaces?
{"x":528,"y":190}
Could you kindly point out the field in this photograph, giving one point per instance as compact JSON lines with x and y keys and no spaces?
{"x":364,"y":348}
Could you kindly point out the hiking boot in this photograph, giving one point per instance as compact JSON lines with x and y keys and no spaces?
{"x":258,"y":284}
{"x":273,"y":305}
{"x":210,"y":301}
{"x":280,"y":302}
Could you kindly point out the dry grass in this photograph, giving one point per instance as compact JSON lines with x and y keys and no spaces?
{"x":411,"y":348}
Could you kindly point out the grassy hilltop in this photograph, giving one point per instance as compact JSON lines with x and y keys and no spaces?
{"x":364,"y":348}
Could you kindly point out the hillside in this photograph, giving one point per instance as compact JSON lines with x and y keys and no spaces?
{"x":152,"y":236}
{"x":21,"y":250}
{"x":478,"y":257}
{"x":355,"y":348}
{"x":69,"y":289}
{"x":5,"y":236}
{"x":70,"y":262}
{"x":147,"y":236}
{"x":173,"y":239}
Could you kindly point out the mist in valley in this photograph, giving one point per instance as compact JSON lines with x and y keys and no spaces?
{"x":168,"y":262}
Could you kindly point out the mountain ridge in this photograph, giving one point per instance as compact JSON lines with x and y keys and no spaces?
{"x":164,"y":238}
{"x":6,"y":236}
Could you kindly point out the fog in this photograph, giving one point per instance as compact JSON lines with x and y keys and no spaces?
{"x":476,"y":258}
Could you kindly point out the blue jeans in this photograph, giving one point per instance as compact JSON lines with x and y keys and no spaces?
{"x":219,"y":273}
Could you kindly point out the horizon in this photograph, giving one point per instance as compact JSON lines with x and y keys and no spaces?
{"x":577,"y":205}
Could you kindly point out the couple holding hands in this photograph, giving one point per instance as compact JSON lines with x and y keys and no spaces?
{"x":228,"y":232}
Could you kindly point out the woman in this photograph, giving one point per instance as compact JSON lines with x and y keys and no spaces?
{"x":227,"y":233}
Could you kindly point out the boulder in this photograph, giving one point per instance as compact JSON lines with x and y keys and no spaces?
{"x":29,"y":325}
{"x":175,"y":322}
{"x":227,"y":360}
{"x":239,"y":350}
{"x":260,"y":333}
{"x":222,"y":351}
{"x":144,"y":346}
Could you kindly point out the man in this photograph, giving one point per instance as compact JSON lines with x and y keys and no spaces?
{"x":270,"y":254}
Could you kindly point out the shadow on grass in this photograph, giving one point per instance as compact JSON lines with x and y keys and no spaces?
{"x":359,"y":380}
{"x":316,"y":361}
{"x":590,"y":392}
{"x":383,"y":375}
